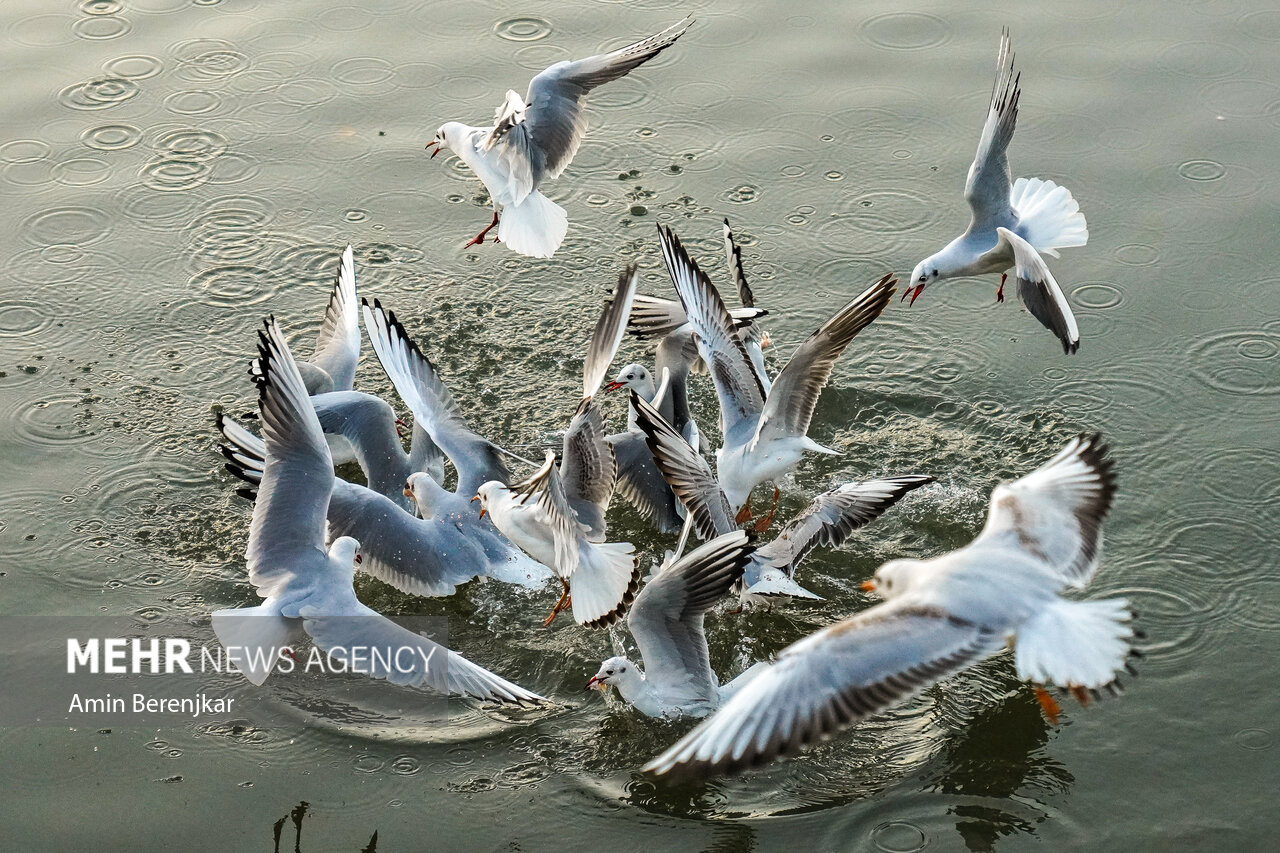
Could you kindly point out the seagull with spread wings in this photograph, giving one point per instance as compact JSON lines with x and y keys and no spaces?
{"x":534,"y":138}
{"x":1013,"y":224}
{"x":308,"y":588}
{"x":940,"y":616}
{"x":765,"y":433}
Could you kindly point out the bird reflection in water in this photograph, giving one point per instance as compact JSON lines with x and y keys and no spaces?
{"x":296,"y":814}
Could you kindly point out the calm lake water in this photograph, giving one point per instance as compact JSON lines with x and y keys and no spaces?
{"x":174,"y":170}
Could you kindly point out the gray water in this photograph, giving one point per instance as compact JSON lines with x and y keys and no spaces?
{"x":174,"y":170}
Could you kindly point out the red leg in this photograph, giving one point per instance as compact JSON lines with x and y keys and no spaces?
{"x":1052,"y":710}
{"x":744,"y":514}
{"x":479,"y":238}
{"x":762,"y":524}
{"x":1000,"y":290}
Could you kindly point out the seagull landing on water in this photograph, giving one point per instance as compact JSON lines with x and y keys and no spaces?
{"x":533,"y":139}
{"x":939,"y":617}
{"x":1012,"y":224}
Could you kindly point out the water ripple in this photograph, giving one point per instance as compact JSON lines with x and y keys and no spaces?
{"x":80,"y":226}
{"x":111,"y":137}
{"x":522,"y":29}
{"x":906,"y":31}
{"x":101,"y":28}
{"x":235,"y":285}
{"x":98,"y":94}
{"x":1238,"y":361}
{"x":134,"y":66}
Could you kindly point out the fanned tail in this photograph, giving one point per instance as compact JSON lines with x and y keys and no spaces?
{"x":534,"y":227}
{"x":1075,"y":643}
{"x":605,"y":583}
{"x":1048,"y":215}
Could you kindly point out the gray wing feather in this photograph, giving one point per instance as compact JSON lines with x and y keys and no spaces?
{"x":554,"y":122}
{"x":738,"y":387}
{"x":1039,"y":291}
{"x":789,"y":407}
{"x":988,"y":185}
{"x":476,"y":459}
{"x":545,"y":488}
{"x":338,"y":344}
{"x":608,"y":331}
{"x":642,"y":484}
{"x":286,"y":535}
{"x":686,"y":473}
{"x":826,"y":681}
{"x":666,"y":619}
{"x":588,"y":469}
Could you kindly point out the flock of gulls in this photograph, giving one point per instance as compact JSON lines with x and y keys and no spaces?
{"x":311,"y":530}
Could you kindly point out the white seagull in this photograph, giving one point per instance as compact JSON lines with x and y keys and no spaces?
{"x":534,"y":138}
{"x":557,"y":514}
{"x":308,"y":589}
{"x":1012,"y":224}
{"x":940,"y":616}
{"x":765,"y":433}
{"x":666,"y":621}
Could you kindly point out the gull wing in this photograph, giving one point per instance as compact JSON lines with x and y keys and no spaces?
{"x":476,"y":459}
{"x":1039,"y":291}
{"x":826,"y":681}
{"x":666,"y":619}
{"x":286,"y":535}
{"x":543,"y":490}
{"x":686,"y":473}
{"x":338,"y":344}
{"x":548,"y":125}
{"x":737,"y":385}
{"x":988,"y":185}
{"x":1056,"y":511}
{"x":588,"y":469}
{"x":789,"y":406}
{"x":608,"y":331}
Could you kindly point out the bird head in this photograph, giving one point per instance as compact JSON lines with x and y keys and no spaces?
{"x":345,"y":551}
{"x":613,"y":672}
{"x":894,"y":578}
{"x":633,"y":376}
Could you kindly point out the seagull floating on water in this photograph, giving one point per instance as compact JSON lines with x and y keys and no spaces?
{"x":1012,"y":225}
{"x":534,"y":138}
{"x":666,"y":622}
{"x":940,"y":616}
{"x":308,"y":589}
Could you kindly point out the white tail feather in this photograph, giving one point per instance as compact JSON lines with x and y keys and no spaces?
{"x":254,"y":638}
{"x":602,"y":579}
{"x":534,"y":227}
{"x":774,"y":582}
{"x":1049,"y":218}
{"x":1075,"y":643}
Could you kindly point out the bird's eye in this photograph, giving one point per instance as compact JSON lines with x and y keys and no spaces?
{"x":935,"y":273}
{"x":608,"y":672}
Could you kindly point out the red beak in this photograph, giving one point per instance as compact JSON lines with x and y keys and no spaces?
{"x":593,"y":682}
{"x":614,"y":386}
{"x":437,"y":151}
{"x":868,"y":586}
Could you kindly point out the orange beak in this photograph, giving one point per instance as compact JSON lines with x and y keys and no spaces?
{"x":868,"y":586}
{"x":482,"y":509}
{"x":408,"y":493}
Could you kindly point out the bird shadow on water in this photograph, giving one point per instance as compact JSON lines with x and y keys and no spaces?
{"x":296,"y":815}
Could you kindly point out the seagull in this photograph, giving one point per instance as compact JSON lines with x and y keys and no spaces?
{"x":638,"y":480}
{"x":534,"y":138}
{"x":765,"y":433}
{"x":557,"y":514}
{"x":1012,"y":225}
{"x":828,"y":520}
{"x":940,"y":616}
{"x":666,"y":622}
{"x":308,"y":589}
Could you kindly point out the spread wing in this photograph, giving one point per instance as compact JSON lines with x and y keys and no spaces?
{"x":286,"y":536}
{"x":826,"y":681}
{"x":833,"y":516}
{"x":608,"y":331}
{"x":1056,"y":511}
{"x":548,"y":125}
{"x":686,"y":473}
{"x":641,"y":483}
{"x":476,"y":459}
{"x":338,"y":344}
{"x":789,"y":407}
{"x":1039,"y":291}
{"x":666,"y":619}
{"x":988,"y":185}
{"x":386,"y":650}
{"x":737,"y":386}
{"x":588,"y":469}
